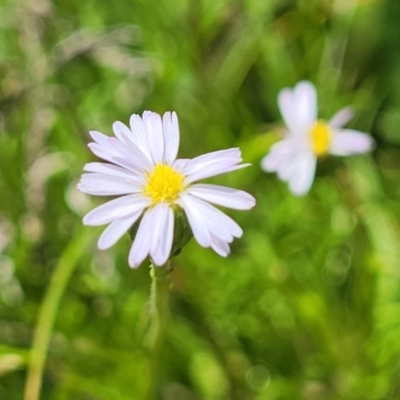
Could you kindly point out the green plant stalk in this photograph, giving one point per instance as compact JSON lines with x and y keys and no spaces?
{"x":159,"y":312}
{"x":48,"y":311}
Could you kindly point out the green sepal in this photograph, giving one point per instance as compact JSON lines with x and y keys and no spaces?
{"x":182,"y":232}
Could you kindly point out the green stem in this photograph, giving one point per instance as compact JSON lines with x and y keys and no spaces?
{"x":159,"y":312}
{"x":48,"y":311}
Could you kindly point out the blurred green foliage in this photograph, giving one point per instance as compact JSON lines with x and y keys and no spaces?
{"x":307,"y":305}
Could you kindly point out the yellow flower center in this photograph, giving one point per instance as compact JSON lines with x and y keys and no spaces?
{"x":163,"y":184}
{"x":320,"y":137}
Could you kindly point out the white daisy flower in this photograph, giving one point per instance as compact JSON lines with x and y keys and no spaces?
{"x":295,"y":157}
{"x":142,"y":169}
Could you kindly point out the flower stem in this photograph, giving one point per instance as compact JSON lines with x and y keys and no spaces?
{"x":48,"y":311}
{"x":159,"y":312}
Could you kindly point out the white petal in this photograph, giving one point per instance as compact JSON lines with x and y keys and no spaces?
{"x":209,"y":219}
{"x":196,"y":221}
{"x":220,"y":247}
{"x":108,"y":148}
{"x":131,"y":156}
{"x":142,"y":242}
{"x":122,"y":132}
{"x":118,"y":153}
{"x":289,"y":167}
{"x":212,"y":164}
{"x":341,"y":118}
{"x":110,"y":169}
{"x":116,"y":209}
{"x":153,"y":124}
{"x":302,"y":176}
{"x":287,"y":109}
{"x":299,"y":106}
{"x":107,"y":185}
{"x":215,"y":226}
{"x":218,"y":168}
{"x":223,"y":196}
{"x":285,"y":159}
{"x":217,"y":221}
{"x":163,"y":233}
{"x":99,"y":137}
{"x":102,"y":151}
{"x":220,"y":232}
{"x":171,"y":136}
{"x":140,"y":137}
{"x":232,"y":155}
{"x":116,"y":230}
{"x":346,"y":141}
{"x":279,"y":154}
{"x":305,"y":100}
{"x":180,"y":165}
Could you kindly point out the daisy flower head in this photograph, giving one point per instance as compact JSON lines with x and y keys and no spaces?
{"x":308,"y":138}
{"x":153,"y":187}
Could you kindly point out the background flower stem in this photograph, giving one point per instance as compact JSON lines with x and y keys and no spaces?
{"x":159,"y":312}
{"x":48,"y":312}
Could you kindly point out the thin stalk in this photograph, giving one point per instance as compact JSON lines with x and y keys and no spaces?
{"x":159,"y":312}
{"x":48,"y":311}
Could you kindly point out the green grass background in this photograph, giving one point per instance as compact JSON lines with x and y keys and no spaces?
{"x":307,"y":306}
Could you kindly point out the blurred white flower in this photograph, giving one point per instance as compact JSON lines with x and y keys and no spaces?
{"x":143,"y":170}
{"x":294,"y":158}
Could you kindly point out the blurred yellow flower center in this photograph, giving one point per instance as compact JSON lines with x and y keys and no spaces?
{"x":163,"y":184}
{"x":320,"y":138}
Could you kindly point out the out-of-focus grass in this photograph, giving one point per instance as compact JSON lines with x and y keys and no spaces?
{"x":306,"y":306}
